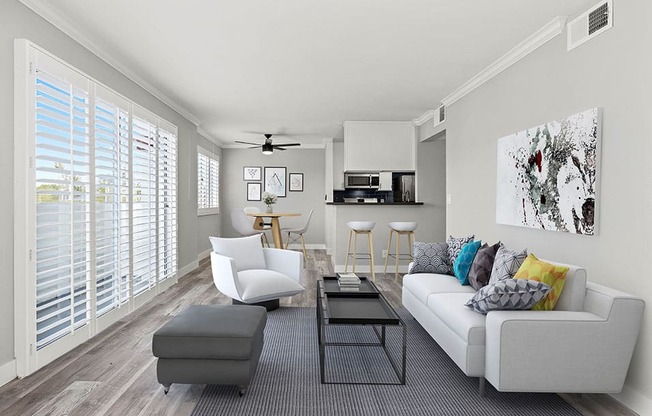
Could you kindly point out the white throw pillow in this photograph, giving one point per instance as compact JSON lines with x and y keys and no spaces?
{"x":246,"y":251}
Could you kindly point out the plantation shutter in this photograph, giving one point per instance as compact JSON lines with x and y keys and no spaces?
{"x":62,"y":223}
{"x":208,"y":185}
{"x":111,"y":214}
{"x":144,"y":200}
{"x":167,"y":200}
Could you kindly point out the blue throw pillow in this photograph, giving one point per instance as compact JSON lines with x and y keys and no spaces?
{"x":464,"y":261}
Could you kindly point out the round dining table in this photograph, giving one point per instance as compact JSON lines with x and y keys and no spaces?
{"x":259,"y":223}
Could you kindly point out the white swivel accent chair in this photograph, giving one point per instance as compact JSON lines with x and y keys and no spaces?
{"x":244,"y":226}
{"x":250,"y":274}
{"x":300,"y":232}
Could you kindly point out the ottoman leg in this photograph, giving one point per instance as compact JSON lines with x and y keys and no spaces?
{"x":242,"y":390}
{"x":166,"y":388}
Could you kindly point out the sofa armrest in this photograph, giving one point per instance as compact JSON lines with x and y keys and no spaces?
{"x":225,"y":276}
{"x":287,"y":262}
{"x":562,"y":351}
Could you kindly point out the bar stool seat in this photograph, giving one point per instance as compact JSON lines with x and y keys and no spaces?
{"x":400,"y":228}
{"x":360,"y":227}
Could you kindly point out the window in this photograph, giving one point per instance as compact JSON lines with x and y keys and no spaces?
{"x":208,"y":182}
{"x":100,"y":195}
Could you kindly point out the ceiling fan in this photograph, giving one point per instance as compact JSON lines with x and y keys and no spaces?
{"x":268,"y":147}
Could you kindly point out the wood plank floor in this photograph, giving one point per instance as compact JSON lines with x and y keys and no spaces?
{"x":115,"y":372}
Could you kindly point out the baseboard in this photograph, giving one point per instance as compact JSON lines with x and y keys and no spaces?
{"x":7,"y":372}
{"x":201,"y":256}
{"x":378,"y":268}
{"x":634,"y":400}
{"x":188,"y":268}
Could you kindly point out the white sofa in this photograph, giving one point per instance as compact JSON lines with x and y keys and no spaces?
{"x":583,"y":346}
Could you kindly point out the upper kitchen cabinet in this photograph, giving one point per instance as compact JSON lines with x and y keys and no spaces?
{"x":379,"y":145}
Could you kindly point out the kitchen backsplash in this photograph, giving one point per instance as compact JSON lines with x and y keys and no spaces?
{"x":361,"y":194}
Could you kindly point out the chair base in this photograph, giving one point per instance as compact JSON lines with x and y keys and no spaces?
{"x":270,"y":305}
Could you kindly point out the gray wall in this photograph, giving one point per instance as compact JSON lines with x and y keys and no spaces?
{"x":310,"y":162}
{"x":17,"y":21}
{"x":612,"y":71}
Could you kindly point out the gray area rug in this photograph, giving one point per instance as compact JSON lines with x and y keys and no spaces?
{"x":288,"y":380}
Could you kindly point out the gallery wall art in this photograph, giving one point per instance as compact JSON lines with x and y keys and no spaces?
{"x":547,"y":176}
{"x":275,"y":181}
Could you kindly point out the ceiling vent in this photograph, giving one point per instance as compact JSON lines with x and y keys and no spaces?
{"x":590,"y":24}
{"x":440,"y":115}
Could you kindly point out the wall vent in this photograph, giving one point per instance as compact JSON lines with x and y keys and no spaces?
{"x":590,"y":24}
{"x":440,"y":115}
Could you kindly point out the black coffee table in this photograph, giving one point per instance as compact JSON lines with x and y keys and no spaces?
{"x":365,"y":307}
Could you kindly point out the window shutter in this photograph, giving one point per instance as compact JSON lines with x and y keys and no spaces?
{"x":144,"y":199}
{"x":62,"y":173}
{"x":167,"y":201}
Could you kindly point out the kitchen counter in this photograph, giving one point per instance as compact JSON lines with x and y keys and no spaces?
{"x":374,"y":203}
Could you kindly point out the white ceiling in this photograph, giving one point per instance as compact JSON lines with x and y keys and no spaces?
{"x":304,"y":66}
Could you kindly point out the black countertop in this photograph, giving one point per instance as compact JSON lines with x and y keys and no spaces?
{"x":374,"y":203}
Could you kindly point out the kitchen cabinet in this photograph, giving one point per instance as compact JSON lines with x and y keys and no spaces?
{"x":379,"y":145}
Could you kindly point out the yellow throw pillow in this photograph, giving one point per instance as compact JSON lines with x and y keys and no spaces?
{"x":550,"y":274}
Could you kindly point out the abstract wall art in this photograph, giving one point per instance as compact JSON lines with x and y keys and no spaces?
{"x":548,"y":175}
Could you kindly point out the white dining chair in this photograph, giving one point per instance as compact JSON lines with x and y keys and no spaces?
{"x":244,"y":226}
{"x":299,"y":232}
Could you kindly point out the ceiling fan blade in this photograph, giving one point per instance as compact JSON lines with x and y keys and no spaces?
{"x":255,"y":144}
{"x":254,"y":147}
{"x":278,"y":148}
{"x":288,"y":144}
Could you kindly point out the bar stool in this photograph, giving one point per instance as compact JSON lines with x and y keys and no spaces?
{"x":400,"y":228}
{"x":360,"y":227}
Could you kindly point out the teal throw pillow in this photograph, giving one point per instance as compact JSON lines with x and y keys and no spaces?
{"x":464,"y":261}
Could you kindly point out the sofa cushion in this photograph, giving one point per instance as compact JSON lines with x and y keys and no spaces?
{"x":480,"y":271}
{"x":548,"y":273}
{"x":430,"y":258}
{"x":246,"y":251}
{"x":455,"y":246}
{"x":449,"y":308}
{"x":508,"y":294}
{"x":261,"y":285}
{"x":423,"y":285}
{"x":464,"y":261}
{"x":506,"y":263}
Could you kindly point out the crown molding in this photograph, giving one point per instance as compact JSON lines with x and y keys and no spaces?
{"x":49,"y":13}
{"x":206,"y":135}
{"x":534,"y":41}
{"x":430,"y":114}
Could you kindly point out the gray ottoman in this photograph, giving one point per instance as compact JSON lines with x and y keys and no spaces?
{"x":210,"y":344}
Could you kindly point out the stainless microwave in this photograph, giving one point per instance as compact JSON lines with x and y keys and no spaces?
{"x":361,"y":180}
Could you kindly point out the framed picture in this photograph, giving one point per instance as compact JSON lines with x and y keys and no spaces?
{"x":275,"y":181}
{"x":296,"y":182}
{"x":253,"y":191}
{"x":252,"y":173}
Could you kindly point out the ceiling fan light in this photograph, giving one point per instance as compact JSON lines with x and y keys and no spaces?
{"x":267,"y":149}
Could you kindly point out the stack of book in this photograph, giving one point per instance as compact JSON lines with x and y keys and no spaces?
{"x":348,"y":282}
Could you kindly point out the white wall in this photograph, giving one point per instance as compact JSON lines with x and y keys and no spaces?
{"x":17,"y":21}
{"x":310,"y":162}
{"x":614,"y":72}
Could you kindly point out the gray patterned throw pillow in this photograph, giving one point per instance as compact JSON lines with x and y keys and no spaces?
{"x":430,"y":258}
{"x":455,"y":246}
{"x":506,"y":263}
{"x":508,"y":294}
